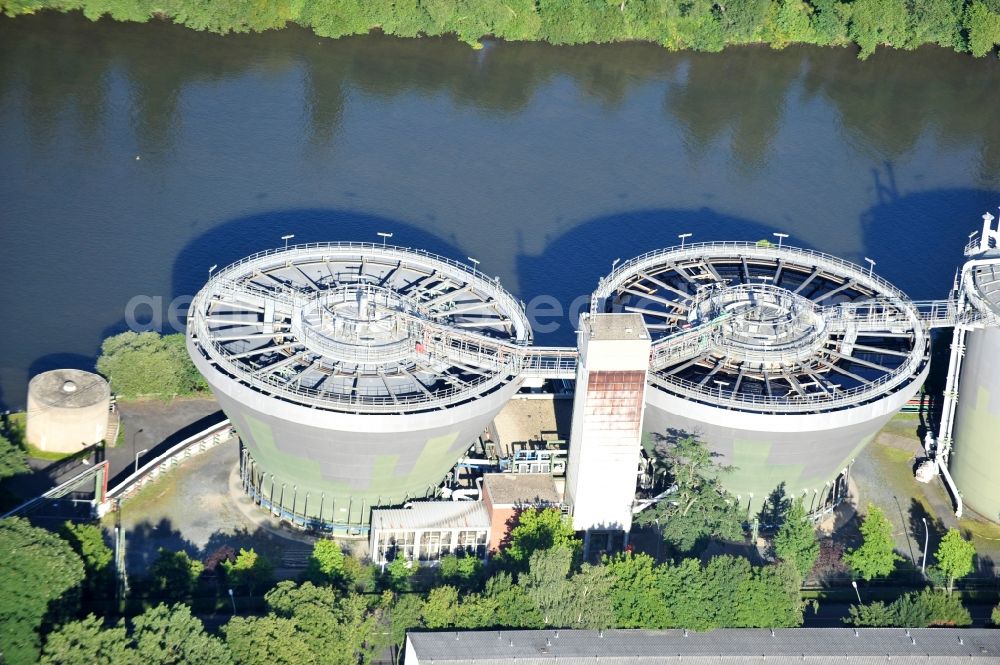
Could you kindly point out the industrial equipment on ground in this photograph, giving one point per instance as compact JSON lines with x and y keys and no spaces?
{"x":784,"y":361}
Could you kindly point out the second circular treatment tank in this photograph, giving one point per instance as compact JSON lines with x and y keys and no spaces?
{"x":785,"y":362}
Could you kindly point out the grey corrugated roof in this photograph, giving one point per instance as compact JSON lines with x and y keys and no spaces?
{"x":817,"y":646}
{"x":433,"y":515}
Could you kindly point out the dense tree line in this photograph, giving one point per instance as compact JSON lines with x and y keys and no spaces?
{"x":149,"y":365}
{"x":705,"y":25}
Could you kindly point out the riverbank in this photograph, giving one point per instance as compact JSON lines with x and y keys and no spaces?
{"x":964,"y":26}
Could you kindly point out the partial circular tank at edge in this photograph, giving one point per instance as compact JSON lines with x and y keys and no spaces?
{"x":67,"y":410}
{"x":785,"y":362}
{"x":973,"y":462}
{"x":356,"y":374}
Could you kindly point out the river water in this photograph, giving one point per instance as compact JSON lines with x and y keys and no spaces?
{"x":134,"y":157}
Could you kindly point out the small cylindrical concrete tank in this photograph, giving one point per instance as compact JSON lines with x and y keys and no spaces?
{"x":973,"y":460}
{"x":67,"y":410}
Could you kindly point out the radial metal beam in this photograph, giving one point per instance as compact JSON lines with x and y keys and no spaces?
{"x":859,"y":361}
{"x":888,"y":352}
{"x":662,"y":315}
{"x":808,"y":280}
{"x":846,"y":285}
{"x":841,"y":370}
{"x":777,"y":272}
{"x":447,"y":295}
{"x":663,"y":285}
{"x":659,"y":299}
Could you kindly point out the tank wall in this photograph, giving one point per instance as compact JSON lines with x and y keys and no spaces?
{"x":803,"y":451}
{"x":66,"y":429}
{"x":352,"y":461}
{"x":975,"y":458}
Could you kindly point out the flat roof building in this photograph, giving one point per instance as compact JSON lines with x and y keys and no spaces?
{"x":816,"y":646}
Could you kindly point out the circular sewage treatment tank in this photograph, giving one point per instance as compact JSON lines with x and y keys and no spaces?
{"x":67,"y":410}
{"x":785,"y":362}
{"x":355,"y":374}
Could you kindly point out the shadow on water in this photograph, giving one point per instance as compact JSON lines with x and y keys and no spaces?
{"x":233,"y":240}
{"x":572,"y":264}
{"x":917,"y":229}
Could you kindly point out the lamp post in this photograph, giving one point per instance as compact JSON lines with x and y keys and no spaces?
{"x":683,"y":237}
{"x":871,"y":266}
{"x":286,"y":238}
{"x":659,"y":539}
{"x":475,"y":264}
{"x":854,"y":583}
{"x":233,"y":598}
{"x":780,"y":237}
{"x":385,"y":236}
{"x":927,"y":542}
{"x":614,"y":263}
{"x":212,"y":269}
{"x":137,"y":456}
{"x":721,"y":384}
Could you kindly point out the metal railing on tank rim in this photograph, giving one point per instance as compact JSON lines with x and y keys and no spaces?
{"x":811,"y":403}
{"x":492,"y":286}
{"x":698,"y":250}
{"x":364,"y":402}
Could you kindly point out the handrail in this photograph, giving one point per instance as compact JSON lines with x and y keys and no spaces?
{"x":698,"y":250}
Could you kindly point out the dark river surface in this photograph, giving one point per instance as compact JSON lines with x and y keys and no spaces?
{"x":133,"y":157}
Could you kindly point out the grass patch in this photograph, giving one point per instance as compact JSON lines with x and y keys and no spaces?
{"x":986,"y":535}
{"x":904,"y":425}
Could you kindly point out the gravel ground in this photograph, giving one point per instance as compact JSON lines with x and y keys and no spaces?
{"x":198,"y":507}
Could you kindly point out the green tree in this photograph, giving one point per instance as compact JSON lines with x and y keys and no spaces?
{"x":995,"y":616}
{"x":461,"y":572}
{"x":13,"y":459}
{"x":174,"y":575}
{"x":930,"y":608}
{"x":88,"y":642}
{"x":146,"y":364}
{"x":40,"y":577}
{"x":876,"y":557}
{"x":342,"y":627}
{"x":796,"y":540}
{"x":877,"y":22}
{"x":636,"y":593}
{"x":513,"y":608}
{"x":538,"y":530}
{"x":166,"y":635}
{"x":397,"y":575}
{"x":326,"y":563}
{"x":873,"y":615}
{"x":405,"y":612}
{"x":921,"y":609}
{"x":441,"y":608}
{"x":546,"y":583}
{"x":249,"y":572}
{"x":982,"y":22}
{"x":591,"y":606}
{"x":699,"y":509}
{"x":954,"y":557}
{"x":268,"y":640}
{"x":87,"y":540}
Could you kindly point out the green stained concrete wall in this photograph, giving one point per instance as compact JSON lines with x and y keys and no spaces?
{"x":975,"y":459}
